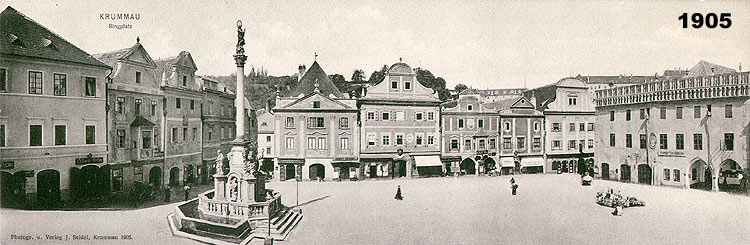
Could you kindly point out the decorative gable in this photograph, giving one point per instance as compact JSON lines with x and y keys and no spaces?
{"x":522,"y":103}
{"x":317,"y":101}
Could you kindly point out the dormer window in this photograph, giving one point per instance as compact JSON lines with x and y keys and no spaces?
{"x":316,"y":104}
{"x":15,"y":41}
{"x":572,"y":99}
{"x":137,"y":77}
{"x":407,"y":85}
{"x":394,"y":84}
{"x":48,"y":43}
{"x":470,"y":107}
{"x":184,"y":81}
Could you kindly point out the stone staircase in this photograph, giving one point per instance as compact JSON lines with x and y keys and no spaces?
{"x":281,"y":225}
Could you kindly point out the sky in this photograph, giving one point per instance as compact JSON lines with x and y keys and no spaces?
{"x":484,"y":44}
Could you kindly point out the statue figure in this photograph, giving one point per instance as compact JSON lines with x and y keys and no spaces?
{"x":240,"y":38}
{"x":219,"y":162}
{"x":233,"y":189}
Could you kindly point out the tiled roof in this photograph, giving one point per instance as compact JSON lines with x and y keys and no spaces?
{"x":704,"y":68}
{"x":543,"y":95}
{"x":110,"y":58}
{"x":165,"y":66}
{"x":20,"y":35}
{"x":307,"y":84}
{"x":621,"y":79}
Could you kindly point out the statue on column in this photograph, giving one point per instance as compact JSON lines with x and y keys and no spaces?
{"x":240,"y":38}
{"x":219,"y":162}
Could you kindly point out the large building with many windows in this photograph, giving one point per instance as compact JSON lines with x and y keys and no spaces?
{"x":568,"y":110}
{"x":181,"y":121}
{"x":469,"y":141}
{"x":217,"y":117}
{"x":400,"y":127}
{"x":46,"y":138}
{"x":687,"y":132}
{"x":135,"y":109}
{"x":315,"y":130}
{"x":521,"y":135}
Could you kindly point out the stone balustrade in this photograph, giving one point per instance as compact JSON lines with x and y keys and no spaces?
{"x":240,"y":210}
{"x":712,"y":86}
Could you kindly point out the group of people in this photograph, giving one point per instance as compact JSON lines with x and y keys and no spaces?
{"x":616,"y":200}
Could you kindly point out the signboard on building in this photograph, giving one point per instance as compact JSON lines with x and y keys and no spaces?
{"x":671,"y":154}
{"x":8,"y":165}
{"x":89,"y":160}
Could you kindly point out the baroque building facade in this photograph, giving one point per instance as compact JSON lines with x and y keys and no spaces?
{"x":689,"y":132}
{"x":400,"y":127}
{"x":44,"y":148}
{"x":469,"y":141}
{"x":217,"y":117}
{"x":521,"y":136}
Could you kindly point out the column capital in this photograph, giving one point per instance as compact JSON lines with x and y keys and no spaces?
{"x":240,"y":59}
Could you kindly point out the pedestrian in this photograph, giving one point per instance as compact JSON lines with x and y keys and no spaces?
{"x":398,"y":194}
{"x":167,"y":194}
{"x":618,"y":209}
{"x":513,"y":185}
{"x":187,"y":192}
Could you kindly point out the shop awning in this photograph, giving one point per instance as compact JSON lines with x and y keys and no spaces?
{"x":427,"y":161}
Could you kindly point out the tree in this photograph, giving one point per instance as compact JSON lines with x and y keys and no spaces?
{"x":460,"y":87}
{"x":340,"y":82}
{"x":358,"y":76}
{"x":427,"y":79}
{"x":377,"y":76}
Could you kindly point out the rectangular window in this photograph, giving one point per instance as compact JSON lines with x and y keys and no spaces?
{"x":697,"y":142}
{"x":419,"y":116}
{"x":184,"y":134}
{"x":629,"y":140}
{"x":370,"y":115}
{"x":153,"y":108}
{"x":117,"y":179}
{"x":697,"y":111}
{"x":192,"y":104}
{"x":470,"y":107}
{"x":729,"y":141}
{"x":35,"y":82}
{"x":591,"y":144}
{"x":676,"y":173}
{"x":60,"y":135}
{"x":507,"y":143}
{"x":90,"y":87}
{"x":386,"y":116}
{"x":662,"y":112}
{"x":90,"y":134}
{"x":312,"y":143}
{"x":407,"y":85}
{"x":35,"y":135}
{"x":454,"y":144}
{"x":627,"y":115}
{"x":572,"y":127}
{"x":175,"y":135}
{"x":316,"y":122}
{"x":195,"y":134}
{"x":556,"y":144}
{"x":394,"y":85}
{"x":120,"y":105}
{"x":643,"y":113}
{"x":289,"y":122}
{"x":316,"y":104}
{"x":612,"y":140}
{"x":344,"y":122}
{"x":268,"y":151}
{"x":467,"y":144}
{"x":581,"y":127}
{"x":480,"y":123}
{"x":177,"y":103}
{"x":146,"y":139}
{"x":678,"y":113}
{"x":3,"y":79}
{"x":572,"y":100}
{"x":400,"y":116}
{"x":663,"y":141}
{"x":386,"y":140}
{"x":460,"y":123}
{"x":138,"y":103}
{"x":289,"y":142}
{"x":643,"y":141}
{"x":611,"y":115}
{"x":680,"y":142}
{"x":591,"y":126}
{"x":667,"y":174}
{"x":431,"y":140}
{"x":431,"y":116}
{"x":521,"y":142}
{"x":399,"y":139}
{"x":420,"y":139}
{"x":184,"y":81}
{"x":2,"y":135}
{"x":59,"y":84}
{"x":493,"y":142}
{"x":120,"y":138}
{"x":728,"y":111}
{"x":556,"y":127}
{"x":137,"y":77}
{"x":344,"y":143}
{"x":571,"y":144}
{"x":537,"y":142}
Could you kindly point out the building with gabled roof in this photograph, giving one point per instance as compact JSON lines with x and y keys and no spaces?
{"x":136,"y":152}
{"x":469,"y":136}
{"x":400,"y":126}
{"x":315,"y":130}
{"x":51,"y":149}
{"x":521,"y":135}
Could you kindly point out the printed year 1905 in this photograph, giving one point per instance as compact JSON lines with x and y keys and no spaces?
{"x":710,"y":20}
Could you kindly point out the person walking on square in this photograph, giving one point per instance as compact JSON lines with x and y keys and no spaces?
{"x":187,"y":192}
{"x":398,"y":194}
{"x":513,"y":185}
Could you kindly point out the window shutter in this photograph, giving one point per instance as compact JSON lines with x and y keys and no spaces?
{"x":83,"y":86}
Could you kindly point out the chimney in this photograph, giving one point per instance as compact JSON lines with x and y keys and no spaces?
{"x":740,"y":67}
{"x":712,"y":71}
{"x":301,"y":72}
